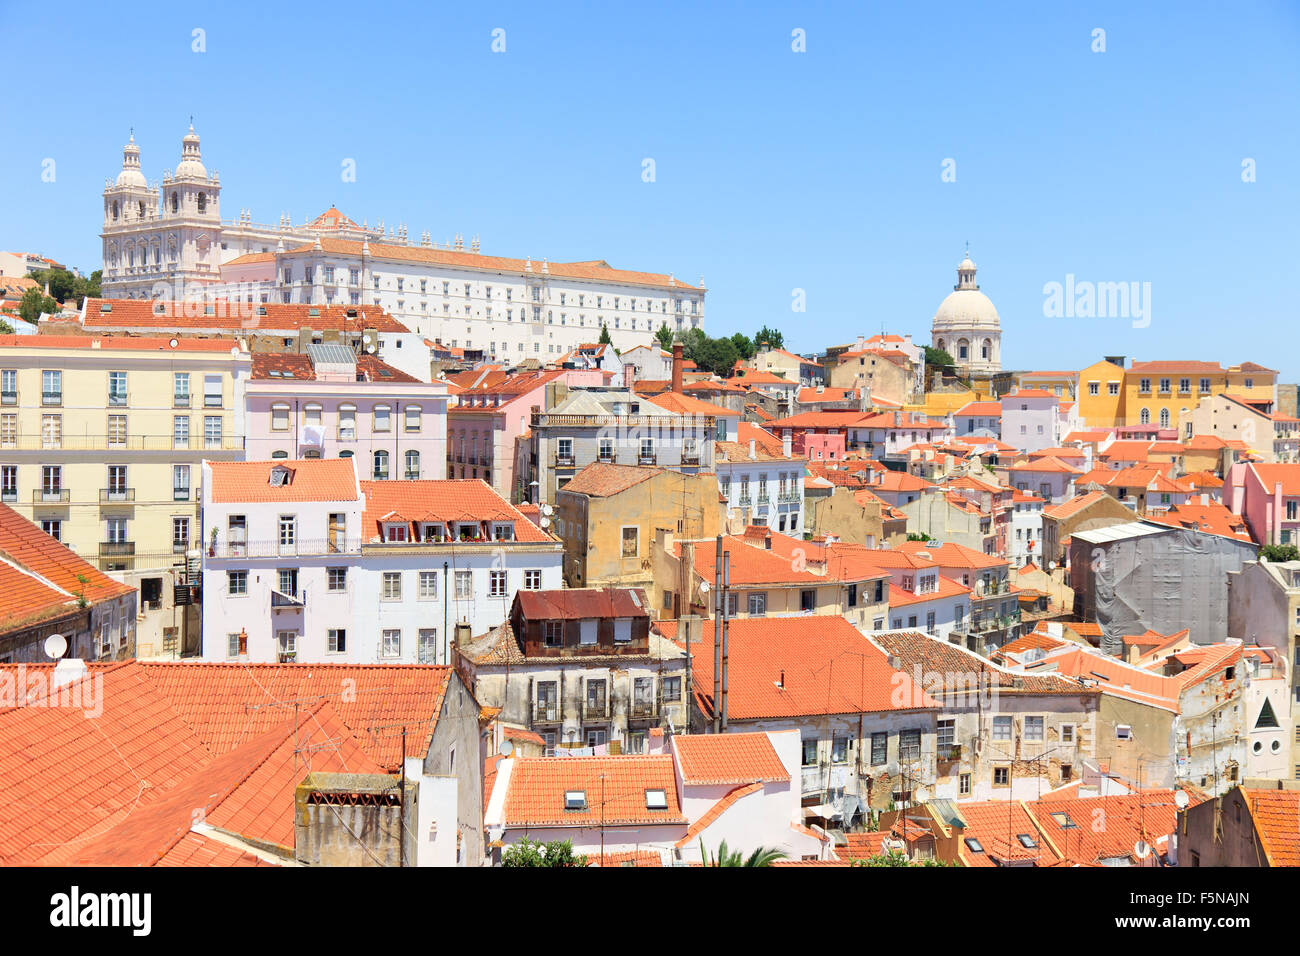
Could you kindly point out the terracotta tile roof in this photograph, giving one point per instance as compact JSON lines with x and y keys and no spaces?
{"x":1073,"y":454}
{"x":1029,"y":393}
{"x":310,"y":479}
{"x":1087,"y":435}
{"x":331,"y":218}
{"x":603,"y":480}
{"x":763,"y":649}
{"x":1113,"y":676}
{"x":1203,"y":479}
{"x":862,"y":846}
{"x":750,"y":565}
{"x":686,"y":405}
{"x":759,"y":413}
{"x":1276,"y":815}
{"x":1034,"y":640}
{"x":827,"y":394}
{"x":707,"y":819}
{"x":936,"y":656}
{"x":537,"y":786}
{"x":1173,"y":367}
{"x":33,"y":552}
{"x":1288,"y":475}
{"x":1048,"y":464}
{"x":997,"y":826}
{"x":1148,"y":815}
{"x":571,"y":604}
{"x":728,"y":758}
{"x":982,"y":409}
{"x":1213,"y":518}
{"x":898,"y":481}
{"x":748,"y":431}
{"x":946,"y":588}
{"x":460,"y":499}
{"x":526,"y":736}
{"x":1068,"y":509}
{"x":953,"y":555}
{"x":264,"y":363}
{"x":236,"y":317}
{"x":596,"y":270}
{"x":628,"y":858}
{"x":194,"y":849}
{"x":754,"y":376}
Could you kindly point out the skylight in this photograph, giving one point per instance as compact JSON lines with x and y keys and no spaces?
{"x":575,"y":799}
{"x":1026,"y":841}
{"x":1063,"y":821}
{"x":973,"y":845}
{"x":656,"y":800}
{"x":278,"y":477}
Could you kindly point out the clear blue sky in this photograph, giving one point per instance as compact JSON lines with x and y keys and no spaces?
{"x":775,"y":170}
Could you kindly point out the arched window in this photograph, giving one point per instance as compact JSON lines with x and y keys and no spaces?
{"x":963,"y":349}
{"x":141,"y":210}
{"x":176,"y":202}
{"x":279,"y":454}
{"x":988,"y":348}
{"x":203,"y":202}
{"x":1164,"y":418}
{"x":381,"y":466}
{"x":280,"y":417}
{"x":347,"y":423}
{"x":941,"y":345}
{"x":115,"y":210}
{"x":1144,"y":416}
{"x":345,"y":454}
{"x":311,"y":453}
{"x":412,"y":465}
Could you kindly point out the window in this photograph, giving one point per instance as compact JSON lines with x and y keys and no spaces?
{"x":54,"y":528}
{"x":553,"y":633}
{"x":391,"y":643}
{"x":311,"y":414}
{"x":564,"y":450}
{"x":381,"y":465}
{"x":1144,"y":386}
{"x":9,"y":386}
{"x":116,"y":482}
{"x":236,"y":583}
{"x":51,"y":388}
{"x":575,"y":800}
{"x":587,"y":632}
{"x":909,"y":745}
{"x":427,"y":645}
{"x":1112,"y":388}
{"x":392,"y":586}
{"x":1001,"y":728}
{"x":606,"y":450}
{"x":879,"y":748}
{"x":9,"y":482}
{"x":412,"y":417}
{"x":839,"y":750}
{"x":672,"y":689}
{"x":288,"y":581}
{"x":9,"y":431}
{"x":1001,"y":776}
{"x":631,"y":541}
{"x":288,"y":527}
{"x":180,"y":482}
{"x":412,"y":465}
{"x":1034,"y":729}
{"x":757,"y":603}
{"x":464,"y":585}
{"x":383,"y":418}
{"x":1164,"y":385}
{"x":236,"y":535}
{"x":211,"y":431}
{"x":117,"y":388}
{"x":1123,"y":732}
{"x":181,"y":431}
{"x":1067,"y":733}
{"x":51,"y":431}
{"x":336,"y":640}
{"x":211,"y":391}
{"x":336,"y":579}
{"x":428,"y":589}
{"x":1205,"y":385}
{"x":232,"y":645}
{"x":947,"y":734}
{"x":496,"y":584}
{"x":810,"y":752}
{"x":280,"y":418}
{"x":532,"y":579}
{"x":180,"y":534}
{"x":963,"y":784}
{"x":1094,"y":388}
{"x":51,"y":481}
{"x":347,"y":422}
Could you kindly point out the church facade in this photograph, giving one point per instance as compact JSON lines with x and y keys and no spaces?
{"x":967,"y":327}
{"x":168,"y":240}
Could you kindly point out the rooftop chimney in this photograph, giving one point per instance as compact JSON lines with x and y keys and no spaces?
{"x":677,"y":367}
{"x":67,"y":670}
{"x":753,"y":448}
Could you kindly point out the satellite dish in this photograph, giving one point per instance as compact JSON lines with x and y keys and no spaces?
{"x":545,"y":522}
{"x":1181,"y":800}
{"x":234,"y":351}
{"x":547,"y":510}
{"x":507,"y":748}
{"x":704,"y":587}
{"x":56,"y":645}
{"x":174,"y":343}
{"x":1141,"y":850}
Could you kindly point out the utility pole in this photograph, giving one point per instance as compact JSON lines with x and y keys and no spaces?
{"x":726,"y":586}
{"x":719,"y":609}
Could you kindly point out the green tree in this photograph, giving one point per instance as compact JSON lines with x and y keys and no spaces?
{"x":1280,"y":552}
{"x":934,"y":356}
{"x":665,"y":337}
{"x":717,"y":356}
{"x":762,"y":856}
{"x":556,"y":853}
{"x":62,"y":283}
{"x":6,"y":328}
{"x":604,"y":336}
{"x":744,"y":347}
{"x":772,"y":337}
{"x":34,"y":302}
{"x":897,"y":858}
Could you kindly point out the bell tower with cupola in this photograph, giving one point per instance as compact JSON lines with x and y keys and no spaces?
{"x":130,"y":238}
{"x":191,"y":218}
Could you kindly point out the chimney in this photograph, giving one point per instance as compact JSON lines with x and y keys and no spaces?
{"x":67,"y":670}
{"x":753,"y":448}
{"x":677,"y":367}
{"x":1205,"y":499}
{"x":655,"y":740}
{"x":243,"y":644}
{"x":786,"y":444}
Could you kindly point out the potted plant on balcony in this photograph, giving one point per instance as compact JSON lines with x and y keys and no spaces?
{"x":212,"y":544}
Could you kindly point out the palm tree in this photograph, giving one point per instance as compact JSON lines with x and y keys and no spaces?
{"x":763,"y":856}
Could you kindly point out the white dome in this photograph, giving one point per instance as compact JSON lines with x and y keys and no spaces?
{"x":131,"y":177}
{"x":191,"y":164}
{"x":130,"y":174}
{"x":966,"y":310}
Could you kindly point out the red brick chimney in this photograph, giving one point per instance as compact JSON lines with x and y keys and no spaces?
{"x":677,"y":367}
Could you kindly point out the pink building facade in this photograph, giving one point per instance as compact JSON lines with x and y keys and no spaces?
{"x":1268,"y":497}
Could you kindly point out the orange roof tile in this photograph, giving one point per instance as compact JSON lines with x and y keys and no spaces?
{"x":718,"y":809}
{"x":604,"y":480}
{"x":728,"y":758}
{"x":310,"y":479}
{"x":223,"y":316}
{"x":1276,"y":815}
{"x":461,"y":499}
{"x":537,"y":785}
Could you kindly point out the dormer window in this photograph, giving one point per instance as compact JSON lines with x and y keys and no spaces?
{"x":279,"y":477}
{"x":503,"y":532}
{"x":431,"y":532}
{"x":395,"y":532}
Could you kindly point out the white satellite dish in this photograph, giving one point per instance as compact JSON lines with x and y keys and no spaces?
{"x":1181,"y":800}
{"x":1141,"y":850}
{"x":545,"y":522}
{"x":174,"y":343}
{"x":56,"y":645}
{"x":507,"y":748}
{"x":704,"y":587}
{"x":547,"y":510}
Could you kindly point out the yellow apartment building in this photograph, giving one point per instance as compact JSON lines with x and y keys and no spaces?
{"x":1157,"y":393}
{"x":1101,"y":395}
{"x":101,"y":440}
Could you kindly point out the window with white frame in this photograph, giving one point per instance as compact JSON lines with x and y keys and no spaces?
{"x":392,"y":586}
{"x":428,"y":590}
{"x":533,"y":579}
{"x":391,"y":642}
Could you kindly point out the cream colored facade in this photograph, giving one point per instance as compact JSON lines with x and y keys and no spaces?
{"x":101,"y":439}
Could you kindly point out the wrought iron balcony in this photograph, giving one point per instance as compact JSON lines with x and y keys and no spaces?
{"x":546,"y":712}
{"x":116,"y":494}
{"x":597,"y":709}
{"x":114,"y":549}
{"x":51,"y":497}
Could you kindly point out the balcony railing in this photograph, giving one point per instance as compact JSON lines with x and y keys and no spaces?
{"x":180,"y":547}
{"x":789,"y":494}
{"x":180,"y":494}
{"x":54,"y":497}
{"x":744,"y":501}
{"x":287,"y":601}
{"x":273,"y":548}
{"x":546,"y":712}
{"x":563,"y":461}
{"x":763,"y":498}
{"x":643,"y":709}
{"x":690,"y":458}
{"x":644,"y":459}
{"x":115,"y":549}
{"x":180,"y":401}
{"x":34,"y":441}
{"x":948,"y":753}
{"x":8,"y":398}
{"x":595,"y":709}
{"x":51,"y":398}
{"x":116,"y":494}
